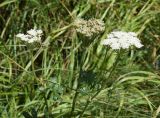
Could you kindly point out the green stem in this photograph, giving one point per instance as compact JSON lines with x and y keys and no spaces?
{"x":91,"y":98}
{"x":47,"y":107}
{"x":77,"y":90}
{"x":75,"y":99}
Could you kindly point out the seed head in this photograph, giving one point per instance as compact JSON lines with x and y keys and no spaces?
{"x":89,"y":27}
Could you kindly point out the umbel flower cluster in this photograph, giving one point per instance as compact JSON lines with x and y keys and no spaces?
{"x":89,"y":27}
{"x":119,"y":39}
{"x":31,"y":36}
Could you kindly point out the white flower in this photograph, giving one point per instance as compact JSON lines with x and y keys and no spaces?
{"x":31,"y":36}
{"x":119,"y":39}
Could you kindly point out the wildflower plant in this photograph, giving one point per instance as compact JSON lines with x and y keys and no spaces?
{"x":117,"y":40}
{"x":32,"y":37}
{"x":74,"y":77}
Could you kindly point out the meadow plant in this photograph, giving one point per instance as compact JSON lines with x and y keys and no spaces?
{"x":117,"y":40}
{"x":69,"y":77}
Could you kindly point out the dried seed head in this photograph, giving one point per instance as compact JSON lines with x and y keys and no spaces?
{"x":90,"y":27}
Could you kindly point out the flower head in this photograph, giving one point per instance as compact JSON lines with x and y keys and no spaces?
{"x":119,"y":39}
{"x":89,"y":27}
{"x":31,"y":36}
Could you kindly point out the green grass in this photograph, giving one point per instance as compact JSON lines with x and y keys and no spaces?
{"x":70,"y":75}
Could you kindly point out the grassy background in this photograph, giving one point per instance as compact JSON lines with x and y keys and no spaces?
{"x":60,"y":78}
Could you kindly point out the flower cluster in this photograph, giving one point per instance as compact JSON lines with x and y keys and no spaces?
{"x":31,"y":36}
{"x":89,"y":27}
{"x":119,"y":39}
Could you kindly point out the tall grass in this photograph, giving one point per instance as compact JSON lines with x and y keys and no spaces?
{"x":71,"y":75}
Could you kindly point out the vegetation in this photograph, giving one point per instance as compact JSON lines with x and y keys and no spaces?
{"x":72,"y":75}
